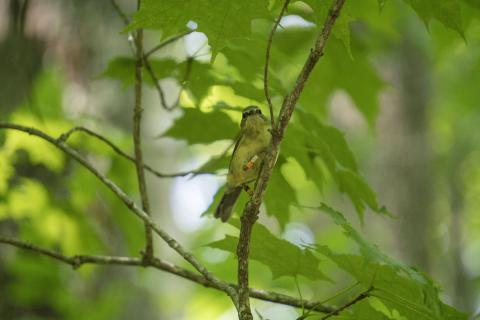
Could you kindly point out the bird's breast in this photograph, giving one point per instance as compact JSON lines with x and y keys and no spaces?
{"x":250,"y":147}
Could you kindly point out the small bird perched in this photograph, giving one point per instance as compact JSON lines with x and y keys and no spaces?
{"x":247,"y":158}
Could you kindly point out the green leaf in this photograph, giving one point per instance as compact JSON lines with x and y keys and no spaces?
{"x":358,"y":191}
{"x":329,"y":137}
{"x":282,"y":257}
{"x":196,"y":126}
{"x":247,"y":56}
{"x":279,"y":195}
{"x":221,"y":20}
{"x":121,"y":69}
{"x":215,"y":163}
{"x":369,"y":251}
{"x":364,"y":310}
{"x":411,"y":293}
{"x":337,"y":71}
{"x":341,"y":28}
{"x":196,"y":77}
{"x":309,"y":139}
{"x":199,"y":78}
{"x":448,"y":12}
{"x":296,"y":144}
{"x":381,"y":3}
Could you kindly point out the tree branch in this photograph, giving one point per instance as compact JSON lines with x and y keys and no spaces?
{"x":250,"y":213}
{"x":172,"y":243}
{"x":65,"y":136}
{"x":137,"y":137}
{"x":266,"y":88}
{"x":77,"y":261}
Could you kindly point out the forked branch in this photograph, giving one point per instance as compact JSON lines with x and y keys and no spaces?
{"x":250,"y":213}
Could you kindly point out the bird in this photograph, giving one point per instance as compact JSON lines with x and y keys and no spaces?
{"x":246,"y":160}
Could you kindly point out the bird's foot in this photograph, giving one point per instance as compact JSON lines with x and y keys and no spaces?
{"x":248,"y":190}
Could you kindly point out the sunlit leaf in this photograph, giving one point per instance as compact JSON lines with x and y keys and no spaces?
{"x":219,"y":20}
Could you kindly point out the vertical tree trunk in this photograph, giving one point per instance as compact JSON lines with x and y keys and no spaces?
{"x":405,"y":153}
{"x":461,"y":291}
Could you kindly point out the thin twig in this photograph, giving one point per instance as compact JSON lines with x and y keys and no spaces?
{"x":250,"y":213}
{"x":155,"y":79}
{"x":167,"y":42}
{"x":267,"y":62}
{"x":120,"y":12}
{"x":145,"y":56}
{"x":65,"y":136}
{"x":156,"y":83}
{"x":172,"y":243}
{"x":299,"y":293}
{"x":77,"y":261}
{"x":359,"y":298}
{"x":307,"y":314}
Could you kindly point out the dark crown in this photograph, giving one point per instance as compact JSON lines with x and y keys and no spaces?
{"x":250,"y":110}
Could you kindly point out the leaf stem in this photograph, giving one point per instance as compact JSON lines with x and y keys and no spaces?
{"x":359,"y":298}
{"x":267,"y":62}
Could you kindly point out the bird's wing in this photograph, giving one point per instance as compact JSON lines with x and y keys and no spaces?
{"x":237,"y":143}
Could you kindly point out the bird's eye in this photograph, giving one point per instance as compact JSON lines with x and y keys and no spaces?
{"x":244,"y":115}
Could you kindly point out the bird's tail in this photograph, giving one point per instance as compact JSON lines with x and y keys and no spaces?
{"x":225,"y":207}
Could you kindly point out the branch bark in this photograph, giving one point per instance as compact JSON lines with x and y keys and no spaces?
{"x":250,"y":214}
{"x":172,"y":243}
{"x":77,"y":261}
{"x":137,"y":138}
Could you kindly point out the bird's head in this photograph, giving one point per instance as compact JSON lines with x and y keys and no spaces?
{"x":252,"y":118}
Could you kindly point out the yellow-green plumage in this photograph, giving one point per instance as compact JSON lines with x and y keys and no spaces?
{"x":250,"y":146}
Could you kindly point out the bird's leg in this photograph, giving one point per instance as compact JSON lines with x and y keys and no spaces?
{"x":248,"y":189}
